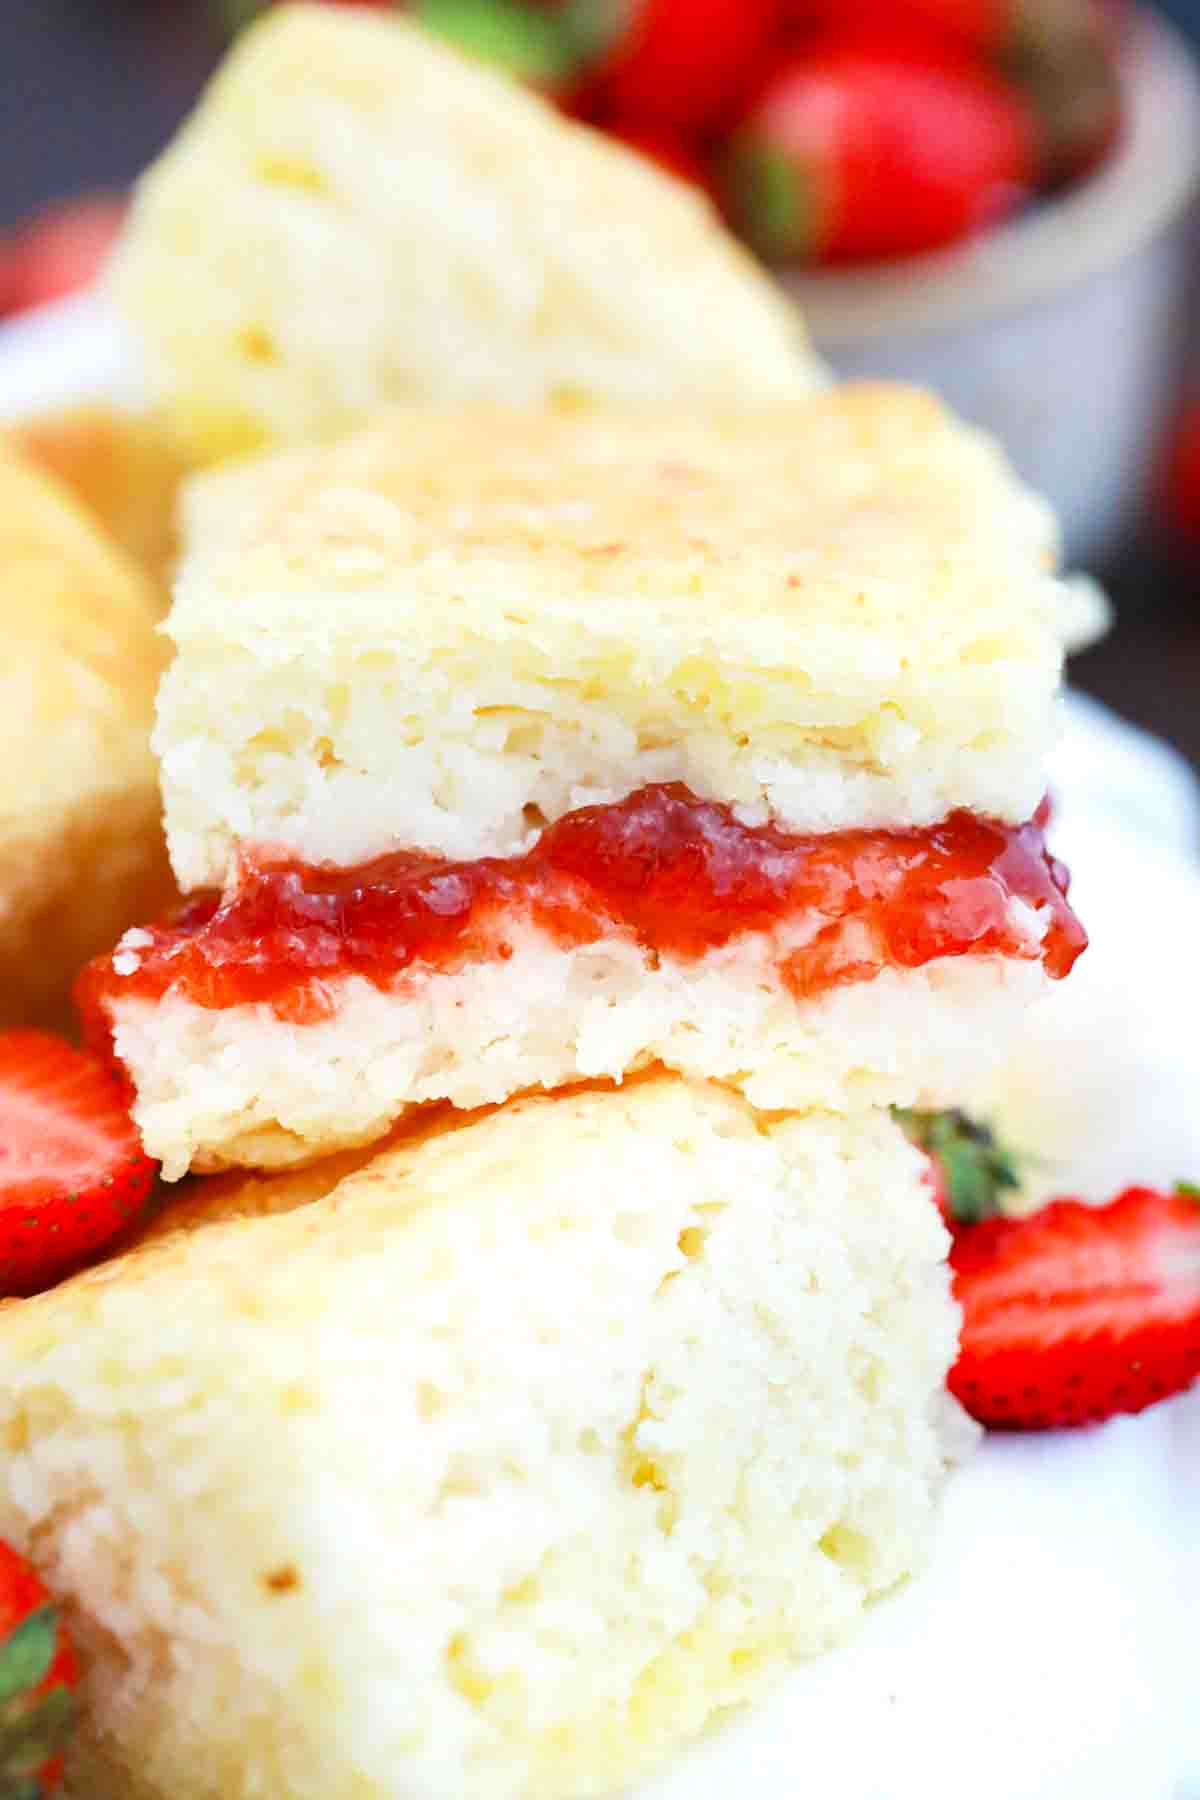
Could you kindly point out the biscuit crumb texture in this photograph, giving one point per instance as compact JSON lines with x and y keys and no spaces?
{"x":455,"y":624}
{"x":357,"y":215}
{"x":239,"y":1086}
{"x":81,"y":844}
{"x":499,"y":1469}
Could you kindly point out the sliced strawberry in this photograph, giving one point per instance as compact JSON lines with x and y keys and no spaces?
{"x":60,"y":251}
{"x":72,"y":1170}
{"x":38,"y":1677}
{"x":970,"y":1170}
{"x":860,"y":150}
{"x":1078,"y":1312}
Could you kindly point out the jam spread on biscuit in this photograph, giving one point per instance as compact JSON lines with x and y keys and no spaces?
{"x":679,"y":875}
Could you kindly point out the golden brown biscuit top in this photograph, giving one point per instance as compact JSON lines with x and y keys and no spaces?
{"x":82,"y":657}
{"x":866,"y":505}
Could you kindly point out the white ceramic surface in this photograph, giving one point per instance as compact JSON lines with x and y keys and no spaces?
{"x":1060,"y":332}
{"x":1049,"y":1653}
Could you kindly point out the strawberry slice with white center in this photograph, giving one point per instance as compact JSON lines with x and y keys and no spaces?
{"x":1079,"y":1312}
{"x":72,"y":1170}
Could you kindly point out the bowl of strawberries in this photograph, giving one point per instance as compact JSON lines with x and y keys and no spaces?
{"x":986,"y":197}
{"x":989,"y":197}
{"x":1055,"y":316}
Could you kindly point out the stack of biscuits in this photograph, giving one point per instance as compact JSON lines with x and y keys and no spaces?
{"x":592,"y":821}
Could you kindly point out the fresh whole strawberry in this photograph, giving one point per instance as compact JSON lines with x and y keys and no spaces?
{"x":1076,"y":1312}
{"x":38,"y":1677}
{"x":981,"y":27}
{"x":60,"y":251}
{"x":1179,"y":480}
{"x":73,"y":1174}
{"x":669,"y":149}
{"x":688,"y":64}
{"x":856,"y":150}
{"x":1063,"y":54}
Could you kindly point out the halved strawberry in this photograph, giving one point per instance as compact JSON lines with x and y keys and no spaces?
{"x":38,"y":1677}
{"x":1079,"y":1312}
{"x":72,"y":1170}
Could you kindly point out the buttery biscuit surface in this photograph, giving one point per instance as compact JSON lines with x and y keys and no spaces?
{"x":81,"y":847}
{"x":357,"y":215}
{"x":834,"y":613}
{"x":125,"y":469}
{"x":497,"y":1469}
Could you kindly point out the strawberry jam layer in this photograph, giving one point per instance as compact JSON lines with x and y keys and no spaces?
{"x":679,"y":875}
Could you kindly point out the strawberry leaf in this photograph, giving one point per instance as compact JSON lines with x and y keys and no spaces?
{"x":532,"y":46}
{"x":32,"y":1735}
{"x":976,"y":1169}
{"x":1188,"y":1189}
{"x":598,"y":26}
{"x":769,"y":199}
{"x":27,"y":1652}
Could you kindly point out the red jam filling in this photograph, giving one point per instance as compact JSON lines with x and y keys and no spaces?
{"x":680,"y":876}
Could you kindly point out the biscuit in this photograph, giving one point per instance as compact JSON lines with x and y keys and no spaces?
{"x":833,"y":614}
{"x":81,"y":847}
{"x":535,"y":748}
{"x":240,"y":1086}
{"x":499,"y":1469}
{"x":358,"y":215}
{"x":125,"y":468}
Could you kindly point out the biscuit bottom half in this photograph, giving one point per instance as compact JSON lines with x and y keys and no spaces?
{"x":493,"y":1465}
{"x":305,"y":1009}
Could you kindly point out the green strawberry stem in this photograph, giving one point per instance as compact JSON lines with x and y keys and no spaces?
{"x":771,"y":204}
{"x":33,"y":1727}
{"x":32,"y":1733}
{"x":976,"y":1170}
{"x":27,"y":1653}
{"x":596,"y":26}
{"x":533,"y":46}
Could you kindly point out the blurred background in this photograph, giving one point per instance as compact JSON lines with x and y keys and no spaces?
{"x":1032,"y":248}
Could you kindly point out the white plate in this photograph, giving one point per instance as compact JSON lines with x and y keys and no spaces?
{"x":1049,"y":1652}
